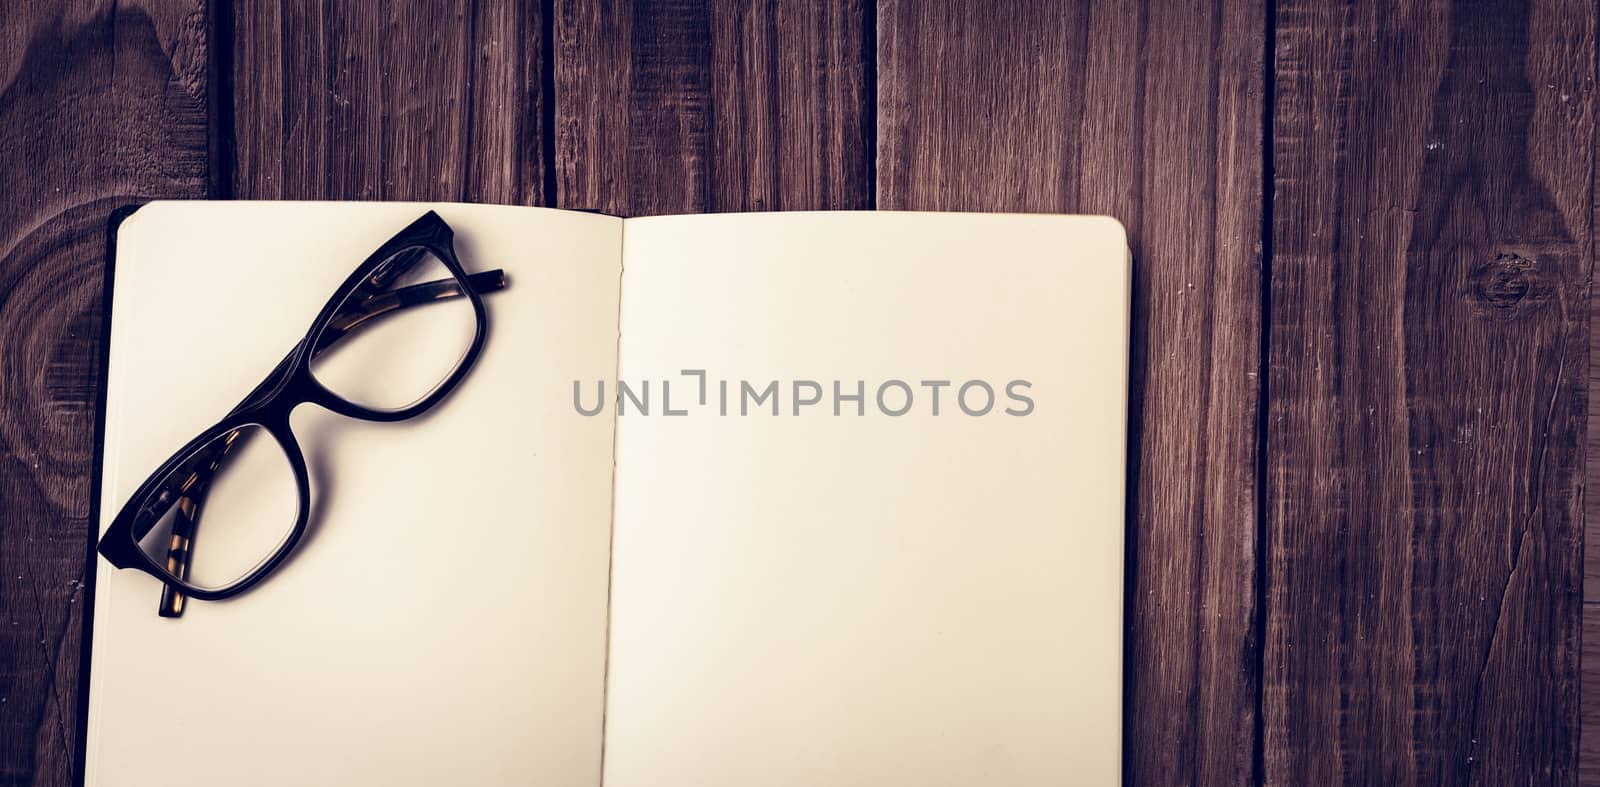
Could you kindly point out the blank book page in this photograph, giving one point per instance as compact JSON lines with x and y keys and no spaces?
{"x":866,"y":598}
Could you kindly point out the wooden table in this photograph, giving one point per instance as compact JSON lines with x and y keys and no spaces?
{"x":1364,"y":239}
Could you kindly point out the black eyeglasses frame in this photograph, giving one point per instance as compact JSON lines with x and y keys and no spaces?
{"x":291,"y":384}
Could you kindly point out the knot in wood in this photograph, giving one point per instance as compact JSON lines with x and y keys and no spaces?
{"x":1504,"y":282}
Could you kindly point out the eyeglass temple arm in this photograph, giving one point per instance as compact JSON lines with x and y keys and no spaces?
{"x":377,"y":304}
{"x":393,"y":269}
{"x":385,"y":302}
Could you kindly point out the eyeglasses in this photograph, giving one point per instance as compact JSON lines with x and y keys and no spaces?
{"x":392,"y":342}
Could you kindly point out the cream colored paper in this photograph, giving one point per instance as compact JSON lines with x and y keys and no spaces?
{"x":870,"y":600}
{"x":444,"y":623}
{"x":818,"y":600}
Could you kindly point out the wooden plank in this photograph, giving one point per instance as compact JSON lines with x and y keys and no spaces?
{"x":360,"y":101}
{"x":1591,"y":536}
{"x":1589,"y":649}
{"x":102,"y":104}
{"x":1589,"y":698}
{"x":1154,"y":116}
{"x":1432,"y":243}
{"x":685,"y":107}
{"x":1589,"y":739}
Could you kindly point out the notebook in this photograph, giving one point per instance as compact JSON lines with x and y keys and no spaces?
{"x":816,"y":499}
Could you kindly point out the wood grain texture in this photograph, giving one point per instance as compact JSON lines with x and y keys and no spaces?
{"x":682,"y":107}
{"x":361,"y":101}
{"x":1589,"y":737}
{"x":1589,"y":684}
{"x":1397,"y":334}
{"x":1432,"y":244}
{"x":1152,"y":115}
{"x":101,"y":105}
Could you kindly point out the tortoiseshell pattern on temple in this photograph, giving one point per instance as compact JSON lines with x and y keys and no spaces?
{"x":182,"y":481}
{"x":191,"y":491}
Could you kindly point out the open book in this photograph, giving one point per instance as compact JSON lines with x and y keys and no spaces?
{"x":815,"y":499}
